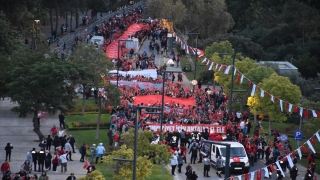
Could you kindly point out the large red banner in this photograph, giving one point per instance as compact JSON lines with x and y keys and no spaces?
{"x":190,"y":128}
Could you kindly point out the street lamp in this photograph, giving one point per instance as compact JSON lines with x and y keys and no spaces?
{"x":37,"y":21}
{"x":195,"y":61}
{"x":118,"y":61}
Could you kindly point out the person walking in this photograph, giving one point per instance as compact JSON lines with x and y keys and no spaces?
{"x":173,"y":162}
{"x":180,"y":159}
{"x":110,"y":136}
{"x":43,"y":176}
{"x":219,"y":166}
{"x":8,"y":149}
{"x":294,"y":172}
{"x":194,"y":153}
{"x":49,"y":143}
{"x":100,"y":151}
{"x":194,"y":176}
{"x":29,"y":158}
{"x":68,"y":149}
{"x":83,"y":151}
{"x":56,"y":142}
{"x":55,"y":160}
{"x":47,"y":162}
{"x":34,"y":154}
{"x":72,"y":142}
{"x":206,"y":168}
{"x":63,"y":158}
{"x":92,"y":153}
{"x":61,"y":120}
{"x":41,"y":159}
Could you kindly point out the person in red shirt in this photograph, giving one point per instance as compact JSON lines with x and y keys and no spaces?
{"x":116,"y":139}
{"x":219,"y":138}
{"x":4,"y":167}
{"x":54,"y":131}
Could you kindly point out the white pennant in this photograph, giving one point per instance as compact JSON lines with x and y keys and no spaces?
{"x":252,"y":175}
{"x":239,"y":177}
{"x":272,"y":98}
{"x":279,"y":167}
{"x":310,"y":146}
{"x":281,"y":105}
{"x":176,"y":38}
{"x":290,"y":107}
{"x":194,"y":52}
{"x":299,"y":152}
{"x":290,"y":161}
{"x":227,"y":70}
{"x":266,"y":172}
{"x":217,"y":66}
{"x":210,"y":68}
{"x":181,"y":44}
{"x":301,"y":111}
{"x":220,"y":67}
{"x":262,"y":93}
{"x":253,"y":89}
{"x":204,"y":60}
{"x":314,"y":113}
{"x":318,"y":136}
{"x":241,"y":80}
{"x":187,"y":49}
{"x":235,"y":71}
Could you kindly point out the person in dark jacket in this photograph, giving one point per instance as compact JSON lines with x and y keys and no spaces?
{"x":83,"y":151}
{"x":8,"y":151}
{"x":34,"y":154}
{"x":41,"y":158}
{"x":194,"y":176}
{"x":72,"y":141}
{"x":294,"y":172}
{"x":47,"y":161}
{"x":49,"y":142}
{"x":56,"y":142}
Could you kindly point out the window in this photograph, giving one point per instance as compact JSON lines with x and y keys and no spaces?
{"x":213,"y":148}
{"x":234,"y":152}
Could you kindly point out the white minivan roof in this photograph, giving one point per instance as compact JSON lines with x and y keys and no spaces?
{"x":232,"y":143}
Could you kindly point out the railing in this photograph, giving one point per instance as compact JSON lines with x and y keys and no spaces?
{"x":69,"y":39}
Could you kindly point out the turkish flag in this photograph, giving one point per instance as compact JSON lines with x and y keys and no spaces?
{"x":304,"y":149}
{"x":246,"y":176}
{"x":86,"y":164}
{"x":312,"y":140}
{"x":238,"y":78}
{"x":271,"y":168}
{"x":259,"y":174}
{"x":306,"y":113}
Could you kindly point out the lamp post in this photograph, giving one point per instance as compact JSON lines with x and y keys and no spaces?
{"x":195,"y":61}
{"x":37,"y":21}
{"x":118,"y":61}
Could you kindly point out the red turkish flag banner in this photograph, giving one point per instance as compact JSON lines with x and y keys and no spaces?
{"x":295,"y":109}
{"x":318,"y":114}
{"x":259,"y":174}
{"x":86,"y":164}
{"x":250,"y":83}
{"x":306,"y":113}
{"x":276,"y":99}
{"x":267,"y":94}
{"x":231,"y":178}
{"x":271,"y":168}
{"x":246,"y":176}
{"x":304,"y":149}
{"x":312,"y":140}
{"x":239,"y":77}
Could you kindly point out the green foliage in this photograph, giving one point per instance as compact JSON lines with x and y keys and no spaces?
{"x":95,"y":175}
{"x":156,"y":152}
{"x":90,"y":124}
{"x":123,"y":170}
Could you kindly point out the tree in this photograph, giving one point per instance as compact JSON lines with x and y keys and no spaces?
{"x":38,"y":84}
{"x":94,"y":175}
{"x":155,"y":152}
{"x":95,"y":64}
{"x":123,"y":170}
{"x":280,"y":87}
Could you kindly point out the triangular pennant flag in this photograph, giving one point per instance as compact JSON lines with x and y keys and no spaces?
{"x":301,"y":111}
{"x":281,"y":107}
{"x":208,"y":63}
{"x":290,"y":161}
{"x":187,"y":49}
{"x":231,"y":178}
{"x":295,"y":109}
{"x":253,"y":89}
{"x":318,"y":114}
{"x":306,"y":113}
{"x":272,"y":98}
{"x":252,"y":175}
{"x":217,"y":66}
{"x":241,"y":80}
{"x":276,"y":99}
{"x":271,"y":167}
{"x":314,"y":114}
{"x":318,"y":136}
{"x":304,"y":149}
{"x":266,"y":172}
{"x":227,"y":70}
{"x":220,"y":67}
{"x":258,"y":174}
{"x":246,"y":176}
{"x":239,"y":177}
{"x":280,"y":168}
{"x":238,"y":77}
{"x":176,"y":38}
{"x":250,"y":83}
{"x":210,"y":68}
{"x":262,"y":93}
{"x":290,"y":108}
{"x":299,"y":153}
{"x":267,"y":94}
{"x":234,"y":71}
{"x":181,"y":43}
{"x":310,"y":146}
{"x":204,"y":60}
{"x":312,"y":141}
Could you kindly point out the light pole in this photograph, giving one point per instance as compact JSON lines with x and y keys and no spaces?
{"x":195,"y":61}
{"x":37,"y":21}
{"x":118,"y":61}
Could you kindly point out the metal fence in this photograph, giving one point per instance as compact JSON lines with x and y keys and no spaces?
{"x":82,"y":32}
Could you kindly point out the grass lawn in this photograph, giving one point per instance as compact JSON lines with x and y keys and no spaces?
{"x":86,"y":118}
{"x":185,"y":62}
{"x":88,"y":137}
{"x":87,"y":102}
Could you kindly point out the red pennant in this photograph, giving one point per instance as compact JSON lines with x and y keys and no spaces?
{"x":246,"y":176}
{"x":259,"y":88}
{"x":250,"y":83}
{"x":312,"y":140}
{"x":286,"y":106}
{"x":231,"y":178}
{"x":239,"y":77}
{"x":295,"y":109}
{"x":276,"y":99}
{"x":304,"y":149}
{"x":318,"y":114}
{"x":267,"y":94}
{"x":86,"y":164}
{"x":259,"y":174}
{"x":224,"y":67}
{"x":271,"y":168}
{"x":306,"y":113}
{"x":293,"y":154}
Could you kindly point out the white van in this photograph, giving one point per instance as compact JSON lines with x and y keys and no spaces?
{"x":97,"y":41}
{"x":239,"y":160}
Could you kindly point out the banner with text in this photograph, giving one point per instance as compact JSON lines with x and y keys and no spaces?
{"x":190,"y":128}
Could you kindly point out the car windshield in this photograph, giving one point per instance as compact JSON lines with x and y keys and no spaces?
{"x":234,"y":152}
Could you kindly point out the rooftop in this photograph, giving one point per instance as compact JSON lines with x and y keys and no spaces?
{"x":281,"y":64}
